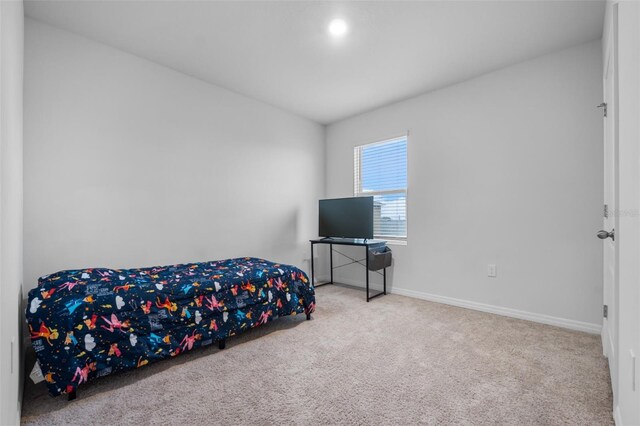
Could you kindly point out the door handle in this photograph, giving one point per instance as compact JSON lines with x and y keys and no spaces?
{"x":603,"y":235}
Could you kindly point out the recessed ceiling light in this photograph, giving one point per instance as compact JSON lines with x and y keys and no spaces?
{"x":338,"y":27}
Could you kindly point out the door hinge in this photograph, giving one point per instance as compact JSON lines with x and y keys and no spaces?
{"x":606,"y":210}
{"x":603,"y":105}
{"x":605,"y":311}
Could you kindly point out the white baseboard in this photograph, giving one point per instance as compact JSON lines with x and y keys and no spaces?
{"x":321,"y":278}
{"x":617,"y":418}
{"x":375,"y":286}
{"x":609,"y":352}
{"x":507,"y":312}
{"x":498,"y":310}
{"x":347,"y":281}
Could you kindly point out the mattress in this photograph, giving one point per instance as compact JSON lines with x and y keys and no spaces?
{"x":89,"y":323}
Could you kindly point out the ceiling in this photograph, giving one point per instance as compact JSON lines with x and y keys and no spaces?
{"x":280,"y":52}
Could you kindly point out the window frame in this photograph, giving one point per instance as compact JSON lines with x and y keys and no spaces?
{"x":357,"y":184}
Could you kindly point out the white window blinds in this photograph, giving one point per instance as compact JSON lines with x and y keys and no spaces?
{"x":380,"y":170}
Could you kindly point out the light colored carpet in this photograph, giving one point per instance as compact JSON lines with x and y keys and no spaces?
{"x":394,"y":360}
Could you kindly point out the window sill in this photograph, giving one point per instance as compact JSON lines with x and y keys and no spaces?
{"x":394,"y":242}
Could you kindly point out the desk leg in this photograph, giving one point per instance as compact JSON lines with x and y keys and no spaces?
{"x":384,"y":277}
{"x":366,"y":255}
{"x":331,"y":260}
{"x":313,"y":283}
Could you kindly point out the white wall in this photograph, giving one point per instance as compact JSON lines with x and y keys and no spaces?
{"x":11,"y":78}
{"x":129,"y":164}
{"x":505,"y":168}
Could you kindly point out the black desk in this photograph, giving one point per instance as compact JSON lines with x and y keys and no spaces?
{"x":367,"y":244}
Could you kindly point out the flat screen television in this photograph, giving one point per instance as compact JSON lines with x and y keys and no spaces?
{"x":346,"y":217}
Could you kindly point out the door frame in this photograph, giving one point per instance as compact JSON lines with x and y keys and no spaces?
{"x":610,"y":327}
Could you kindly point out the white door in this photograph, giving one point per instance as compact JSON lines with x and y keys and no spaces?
{"x":610,"y":296}
{"x":621,"y":331}
{"x":626,"y":24}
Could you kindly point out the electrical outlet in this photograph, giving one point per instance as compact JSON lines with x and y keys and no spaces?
{"x":491,"y":270}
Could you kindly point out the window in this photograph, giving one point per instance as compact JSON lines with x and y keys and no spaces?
{"x":380,"y":169}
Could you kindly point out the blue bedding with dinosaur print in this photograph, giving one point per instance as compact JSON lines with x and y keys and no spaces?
{"x":89,"y":323}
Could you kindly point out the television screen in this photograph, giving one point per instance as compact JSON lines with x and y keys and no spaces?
{"x":346,"y":217}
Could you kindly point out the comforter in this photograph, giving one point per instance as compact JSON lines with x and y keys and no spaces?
{"x":93,"y":322}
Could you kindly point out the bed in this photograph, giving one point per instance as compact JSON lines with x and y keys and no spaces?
{"x":90,"y":323}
